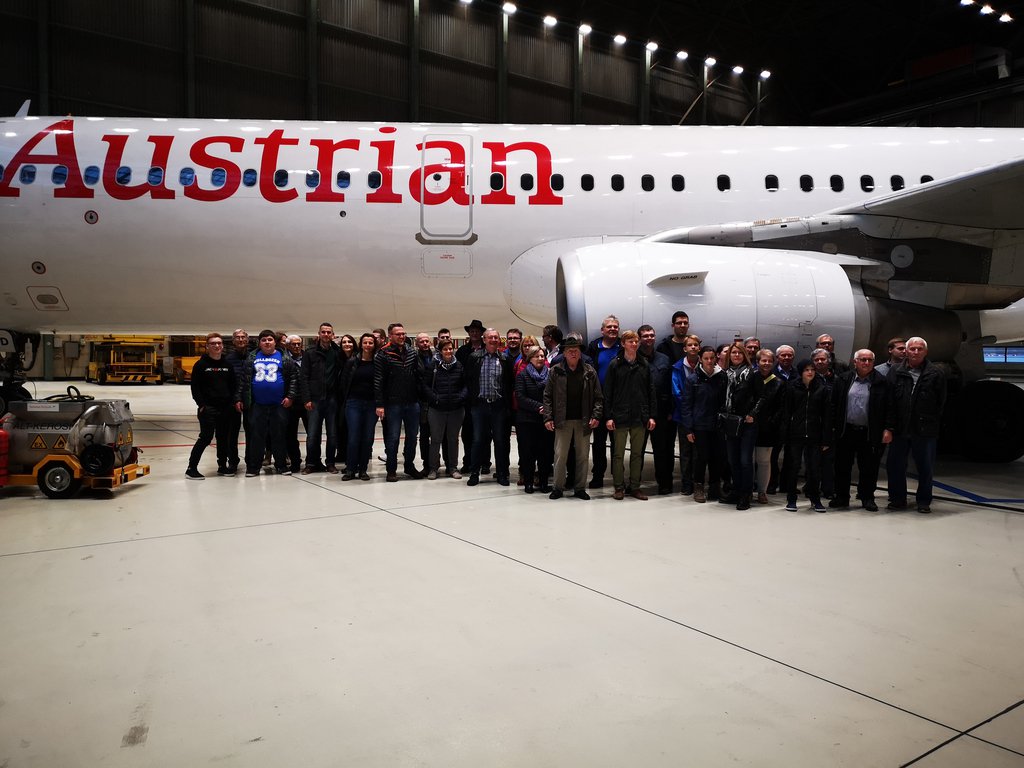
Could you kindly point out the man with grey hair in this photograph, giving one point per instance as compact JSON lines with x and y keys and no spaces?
{"x":918,"y":399}
{"x":601,"y":352}
{"x":863,"y":424}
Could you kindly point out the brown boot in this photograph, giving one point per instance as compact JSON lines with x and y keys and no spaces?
{"x":698,"y":493}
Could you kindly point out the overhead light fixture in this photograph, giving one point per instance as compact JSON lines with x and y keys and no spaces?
{"x":585,"y":29}
{"x":550,"y":21}
{"x":710,"y":61}
{"x":1005,"y":18}
{"x":986,"y":10}
{"x":966,"y":2}
{"x":737,"y":70}
{"x":509,"y":8}
{"x":765,"y":74}
{"x":652,"y":46}
{"x":466,"y":2}
{"x":682,"y":55}
{"x":619,"y":39}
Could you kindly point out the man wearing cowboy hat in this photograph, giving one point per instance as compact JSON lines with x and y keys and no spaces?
{"x":475,"y":331}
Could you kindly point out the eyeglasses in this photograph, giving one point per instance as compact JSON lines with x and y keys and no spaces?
{"x":215,"y":343}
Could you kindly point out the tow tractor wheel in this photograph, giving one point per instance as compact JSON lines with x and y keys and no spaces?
{"x":57,"y":481}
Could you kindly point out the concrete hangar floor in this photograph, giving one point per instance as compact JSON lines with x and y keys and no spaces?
{"x":302,"y":621}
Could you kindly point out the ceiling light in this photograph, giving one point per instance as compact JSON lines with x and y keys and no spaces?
{"x":710,"y":61}
{"x":682,"y":55}
{"x":619,"y":39}
{"x":466,"y":2}
{"x":550,"y":21}
{"x":585,"y":29}
{"x":986,"y":10}
{"x":1006,"y":18}
{"x":737,"y":70}
{"x":966,"y":2}
{"x":509,"y":8}
{"x":765,"y":74}
{"x":652,"y":46}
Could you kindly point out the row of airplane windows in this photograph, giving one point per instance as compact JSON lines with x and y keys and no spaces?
{"x":250,"y":177}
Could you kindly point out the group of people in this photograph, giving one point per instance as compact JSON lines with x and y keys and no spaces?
{"x":742,"y":420}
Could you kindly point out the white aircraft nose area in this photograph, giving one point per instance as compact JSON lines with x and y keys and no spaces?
{"x":239,"y":620}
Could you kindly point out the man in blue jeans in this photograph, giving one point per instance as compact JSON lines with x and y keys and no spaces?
{"x":396,"y":393}
{"x":490,"y":383}
{"x":318,"y":385}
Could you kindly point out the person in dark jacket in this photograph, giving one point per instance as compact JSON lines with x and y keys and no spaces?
{"x":297,"y":413}
{"x":767,"y":387}
{"x":536,"y":444}
{"x":396,"y":384}
{"x":863,"y":427}
{"x":662,"y":439}
{"x":700,"y":397}
{"x":236,"y":355}
{"x":444,"y":391}
{"x":630,"y":403}
{"x":318,"y":388}
{"x":806,"y":432}
{"x":918,"y":399}
{"x":490,"y":383}
{"x":213,"y":389}
{"x":355,"y":390}
{"x":600,"y":353}
{"x":742,"y":402}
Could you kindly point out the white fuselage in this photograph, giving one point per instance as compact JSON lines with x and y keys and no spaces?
{"x":399,"y":222}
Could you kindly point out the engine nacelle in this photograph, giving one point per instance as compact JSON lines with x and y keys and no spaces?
{"x":780,"y":296}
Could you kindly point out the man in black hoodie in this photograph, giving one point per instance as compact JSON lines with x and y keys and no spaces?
{"x":213,"y":389}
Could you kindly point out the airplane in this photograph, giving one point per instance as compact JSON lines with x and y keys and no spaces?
{"x":187,"y":225}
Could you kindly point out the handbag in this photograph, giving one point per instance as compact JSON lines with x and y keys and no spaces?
{"x":730,"y":424}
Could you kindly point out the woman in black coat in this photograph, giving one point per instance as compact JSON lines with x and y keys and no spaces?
{"x":806,"y":431}
{"x":536,"y":444}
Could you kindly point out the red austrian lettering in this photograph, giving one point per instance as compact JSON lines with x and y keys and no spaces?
{"x":202,"y":158}
{"x":543,"y":195}
{"x":326,"y":149}
{"x":268,"y":166}
{"x":63,"y":133}
{"x":115,"y":153}
{"x":385,"y":193}
{"x":452,"y":167}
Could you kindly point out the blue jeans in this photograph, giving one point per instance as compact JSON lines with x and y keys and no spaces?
{"x":362,"y":420}
{"x":395,"y":415}
{"x":740,"y":450}
{"x":490,"y":422}
{"x":923,"y":449}
{"x":325,"y":412}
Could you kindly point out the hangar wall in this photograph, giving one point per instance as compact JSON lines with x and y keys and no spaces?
{"x":334,"y":60}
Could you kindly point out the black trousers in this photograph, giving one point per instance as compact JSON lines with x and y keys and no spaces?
{"x":536,"y":451}
{"x":214,"y":421}
{"x":852,"y":445}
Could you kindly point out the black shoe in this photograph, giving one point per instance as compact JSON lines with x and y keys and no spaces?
{"x":474,"y":479}
{"x":363,"y":476}
{"x":545,"y":488}
{"x":582,"y":495}
{"x":839,"y":504}
{"x":597,"y":482}
{"x":870,"y":506}
{"x":392,"y":477}
{"x":414,"y":473}
{"x":896,"y":506}
{"x":527,"y":488}
{"x":194,"y":474}
{"x":503,"y":481}
{"x":464,"y":469}
{"x":664,"y":490}
{"x":348,"y":475}
{"x":687,"y":490}
{"x":485,"y":469}
{"x":743,"y":503}
{"x":924,"y":509}
{"x":222,"y":471}
{"x":555,"y":494}
{"x":729,"y":498}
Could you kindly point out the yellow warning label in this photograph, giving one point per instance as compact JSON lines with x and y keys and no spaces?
{"x":129,"y":435}
{"x":120,"y":438}
{"x":38,"y":443}
{"x":62,"y":443}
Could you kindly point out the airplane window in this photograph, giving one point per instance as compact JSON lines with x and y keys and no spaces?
{"x":587,"y":182}
{"x":280,"y":178}
{"x":497,"y":182}
{"x":123,"y":175}
{"x":807,"y":183}
{"x":557,"y":182}
{"x":374,"y":180}
{"x":249,"y":177}
{"x":897,"y":183}
{"x":218,"y":177}
{"x":1,"y":173}
{"x":618,"y":183}
{"x":344,"y":179}
{"x":312,"y":179}
{"x":60,"y":175}
{"x":926,"y":178}
{"x":647,"y":182}
{"x":836,"y":182}
{"x":28,"y":174}
{"x":91,"y":175}
{"x":678,"y":183}
{"x":156,"y":176}
{"x":771,"y":183}
{"x":867,"y":183}
{"x":526,"y":181}
{"x":724,"y":183}
{"x":186,"y":178}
